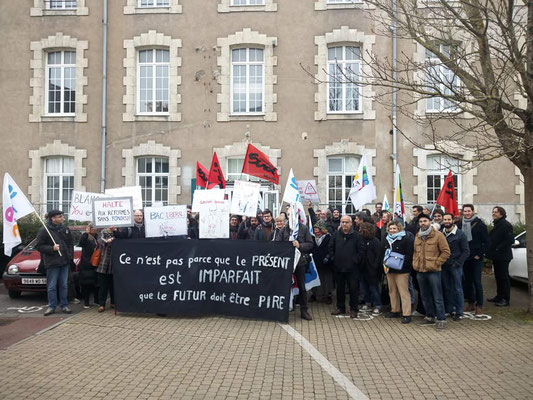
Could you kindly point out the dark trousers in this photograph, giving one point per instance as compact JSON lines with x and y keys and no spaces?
{"x":503,"y":285}
{"x":299,"y":272}
{"x":352,"y":278}
{"x":106,"y":285}
{"x":473,"y":288}
{"x":431,"y":291}
{"x":86,"y":291}
{"x":419,"y":303}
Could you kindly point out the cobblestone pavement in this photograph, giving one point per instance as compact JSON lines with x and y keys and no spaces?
{"x":95,"y":355}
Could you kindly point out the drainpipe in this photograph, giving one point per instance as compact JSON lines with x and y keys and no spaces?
{"x":394,"y":86}
{"x":104,"y":93}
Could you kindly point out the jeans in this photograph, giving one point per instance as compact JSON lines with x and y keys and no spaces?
{"x":503,"y":285}
{"x":473,"y":288}
{"x":371,"y":293}
{"x":413,"y":281}
{"x":431,"y":291}
{"x":106,"y":285}
{"x":352,"y":277}
{"x":57,"y":277}
{"x":452,"y":285}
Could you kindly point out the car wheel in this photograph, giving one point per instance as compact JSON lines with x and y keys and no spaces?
{"x":14,"y":294}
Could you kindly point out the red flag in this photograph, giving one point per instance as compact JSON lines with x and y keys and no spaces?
{"x":257,"y":164}
{"x":216,"y":177}
{"x":447,"y":197}
{"x":201,"y":175}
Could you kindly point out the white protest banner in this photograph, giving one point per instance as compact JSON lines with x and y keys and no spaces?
{"x":245,"y":198}
{"x":202,"y":195}
{"x":128,"y":191}
{"x":81,"y":206}
{"x":308,"y":191}
{"x":165,"y":221}
{"x":112,"y":211}
{"x":214,"y":219}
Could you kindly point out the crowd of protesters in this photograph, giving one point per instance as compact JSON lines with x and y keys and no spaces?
{"x":426,"y":267}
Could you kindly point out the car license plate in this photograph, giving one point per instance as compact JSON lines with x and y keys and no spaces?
{"x":34,"y":281}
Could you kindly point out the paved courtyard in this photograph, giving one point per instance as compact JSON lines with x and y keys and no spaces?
{"x":122,"y":356}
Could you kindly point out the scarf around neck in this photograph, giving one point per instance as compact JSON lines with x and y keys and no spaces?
{"x":424,"y":234}
{"x":467,"y":227}
{"x":391,"y":239}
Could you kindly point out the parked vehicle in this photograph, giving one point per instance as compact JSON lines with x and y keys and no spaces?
{"x":518,"y":265}
{"x":21,"y":274}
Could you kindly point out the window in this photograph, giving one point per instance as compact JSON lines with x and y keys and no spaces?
{"x":341,"y":171}
{"x":61,"y":83}
{"x":343,"y":70}
{"x":154,"y":3}
{"x":248,"y":2}
{"x":234,"y":171}
{"x":342,"y":1}
{"x":438,"y":167}
{"x":439,"y":79}
{"x":153,"y":81}
{"x":61,"y":4}
{"x":152,"y":177}
{"x":59,"y":182}
{"x":247,"y":70}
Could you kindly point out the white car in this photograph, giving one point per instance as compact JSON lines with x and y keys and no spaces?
{"x":518,"y":265}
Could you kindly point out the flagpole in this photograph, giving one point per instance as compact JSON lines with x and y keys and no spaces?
{"x":45,"y":227}
{"x":431,"y":215}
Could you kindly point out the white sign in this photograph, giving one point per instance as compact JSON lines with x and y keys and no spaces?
{"x":81,"y":206}
{"x":214,"y":219}
{"x":245,"y":198}
{"x":165,"y":221}
{"x":308,"y":191}
{"x":112,"y":211}
{"x":128,"y":191}
{"x":204,"y":195}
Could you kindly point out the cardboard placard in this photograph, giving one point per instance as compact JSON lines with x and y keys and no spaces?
{"x":113,"y":211}
{"x":165,"y":221}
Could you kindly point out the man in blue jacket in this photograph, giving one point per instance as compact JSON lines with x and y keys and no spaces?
{"x":452,"y":269}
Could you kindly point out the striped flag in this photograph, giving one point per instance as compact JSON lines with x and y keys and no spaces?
{"x":399,"y":207}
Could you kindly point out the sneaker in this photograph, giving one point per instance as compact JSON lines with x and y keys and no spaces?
{"x":393,"y":315}
{"x":66,"y":310}
{"x":427,"y":321}
{"x":458,"y":317}
{"x":353,"y":314}
{"x":75,"y":301}
{"x":365,"y":308}
{"x":417,"y":314}
{"x":49,"y":311}
{"x":406,"y":320}
{"x":440,"y":325}
{"x":87,"y":306}
{"x":376,"y":311}
{"x":338,"y":311}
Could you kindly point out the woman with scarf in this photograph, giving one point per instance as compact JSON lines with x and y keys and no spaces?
{"x":105,"y":269}
{"x":321,"y":240}
{"x":87,"y":274}
{"x":398,"y":280}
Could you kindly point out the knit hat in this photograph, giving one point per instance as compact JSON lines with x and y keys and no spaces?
{"x":54,"y":213}
{"x":320,"y":224}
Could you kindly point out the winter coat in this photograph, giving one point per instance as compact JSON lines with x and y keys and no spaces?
{"x":306,"y":242}
{"x":480,"y":238}
{"x":63,"y":237}
{"x":345,"y":251}
{"x":263,"y":234}
{"x":333,"y":225}
{"x":459,"y":248}
{"x":412,"y":226}
{"x":501,"y":239}
{"x":279,"y":235}
{"x":87,"y":272}
{"x":132,"y":232}
{"x":404,"y":246}
{"x":431,"y":253}
{"x":372,"y":260}
{"x":321,"y":252}
{"x":246,"y":233}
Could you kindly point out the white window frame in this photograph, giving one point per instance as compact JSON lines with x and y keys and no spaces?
{"x":237,"y":176}
{"x":154,"y":4}
{"x":154,"y":64}
{"x":62,"y":67}
{"x":63,"y":3}
{"x":247,"y":3}
{"x":442,"y":74}
{"x":247,"y":64}
{"x":345,"y":189}
{"x":341,"y":64}
{"x":446,"y":165}
{"x":153,"y":175}
{"x":61,"y":174}
{"x":343,"y":1}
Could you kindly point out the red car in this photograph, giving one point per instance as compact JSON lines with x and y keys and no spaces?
{"x":21,"y":272}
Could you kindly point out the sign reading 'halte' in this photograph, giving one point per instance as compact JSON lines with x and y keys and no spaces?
{"x":113,"y":211}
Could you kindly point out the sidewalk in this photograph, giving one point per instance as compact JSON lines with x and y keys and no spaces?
{"x":95,"y":355}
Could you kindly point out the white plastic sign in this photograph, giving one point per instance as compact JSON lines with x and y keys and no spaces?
{"x":165,"y":221}
{"x":128,"y":191}
{"x":113,"y":211}
{"x":81,"y":205}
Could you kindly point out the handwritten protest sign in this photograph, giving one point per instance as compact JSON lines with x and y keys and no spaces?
{"x":165,"y":221}
{"x":203,"y":195}
{"x":245,"y":198}
{"x":112,"y":211}
{"x":81,"y":205}
{"x":203,"y":277}
{"x":214,"y":219}
{"x":128,"y":191}
{"x":308,"y":191}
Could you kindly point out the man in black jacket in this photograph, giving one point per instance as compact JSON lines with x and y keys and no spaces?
{"x":345,"y":249}
{"x":137,"y":231}
{"x":413,"y":226}
{"x":56,"y":255}
{"x":500,"y":252}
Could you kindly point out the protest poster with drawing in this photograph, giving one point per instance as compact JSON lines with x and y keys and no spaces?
{"x":201,"y":195}
{"x":81,"y":205}
{"x":113,"y":211}
{"x":308,"y":191}
{"x":245,"y":198}
{"x":128,"y":191}
{"x":214,"y":219}
{"x":165,"y":221}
